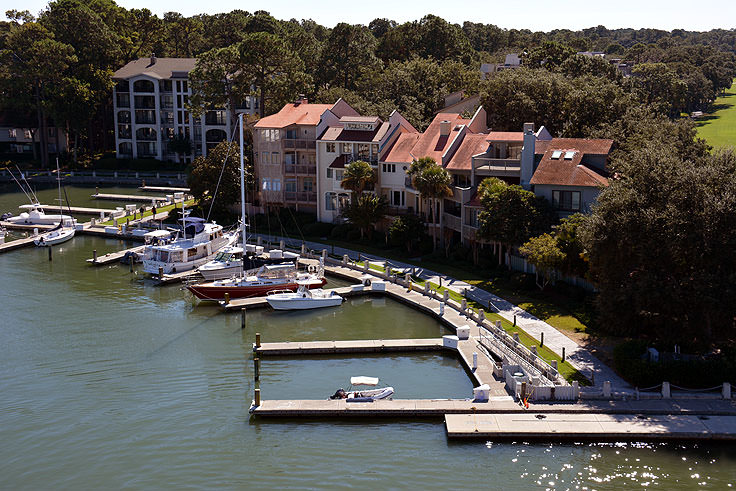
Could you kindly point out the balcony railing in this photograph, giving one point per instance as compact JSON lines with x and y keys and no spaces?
{"x":300,"y":169}
{"x":452,"y":222}
{"x":305,"y":196}
{"x":299,"y":144}
{"x":497,"y":166}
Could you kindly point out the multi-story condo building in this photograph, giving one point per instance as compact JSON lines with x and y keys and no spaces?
{"x":19,"y":133}
{"x":285,"y":152}
{"x":150,"y":100}
{"x":355,"y":138}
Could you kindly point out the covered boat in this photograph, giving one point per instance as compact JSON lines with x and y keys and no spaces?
{"x":356,"y":394}
{"x":303,"y":298}
{"x":258,"y":283}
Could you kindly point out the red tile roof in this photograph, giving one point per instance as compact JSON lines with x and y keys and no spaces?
{"x":400,"y":150}
{"x":337,"y":133}
{"x":472,"y":144}
{"x":163,"y":68}
{"x":566,"y":172}
{"x":505,"y":136}
{"x":303,"y":114}
{"x":592,"y":147}
{"x":431,"y":144}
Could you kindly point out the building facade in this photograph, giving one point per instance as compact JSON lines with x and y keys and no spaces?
{"x":150,"y":100}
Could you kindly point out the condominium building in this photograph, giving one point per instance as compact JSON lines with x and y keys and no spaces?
{"x":150,"y":100}
{"x":285,"y":152}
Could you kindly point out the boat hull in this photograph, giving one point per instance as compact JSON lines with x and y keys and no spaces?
{"x":54,"y":237}
{"x":208,"y":291}
{"x":288,"y":302}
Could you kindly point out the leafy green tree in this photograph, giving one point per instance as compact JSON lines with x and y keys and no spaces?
{"x":512,"y":215}
{"x":545,"y":255}
{"x":215,"y":179}
{"x":407,"y":231}
{"x":357,"y":176}
{"x":567,"y":235}
{"x":433,"y":183}
{"x":349,"y":53}
{"x":660,"y":86}
{"x":549,"y":54}
{"x":218,"y":80}
{"x":368,"y":210}
{"x":661,"y":242}
{"x":180,"y":145}
{"x":182,"y":33}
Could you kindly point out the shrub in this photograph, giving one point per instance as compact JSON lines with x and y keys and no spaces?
{"x":353,"y":235}
{"x":340,"y":231}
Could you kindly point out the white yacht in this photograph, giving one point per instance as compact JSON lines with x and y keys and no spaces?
{"x":34,"y":215}
{"x":199,"y":241}
{"x":303,"y":298}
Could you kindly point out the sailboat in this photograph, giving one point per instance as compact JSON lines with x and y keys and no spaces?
{"x":33,"y":213}
{"x":62,"y":232}
{"x":267,"y":278}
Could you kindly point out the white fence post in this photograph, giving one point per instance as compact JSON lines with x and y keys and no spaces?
{"x":607,"y":389}
{"x":666,"y":392}
{"x":726,"y":390}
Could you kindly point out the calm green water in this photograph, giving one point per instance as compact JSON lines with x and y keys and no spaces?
{"x":107,"y":381}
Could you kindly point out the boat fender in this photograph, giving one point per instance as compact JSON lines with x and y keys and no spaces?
{"x":312,"y":268}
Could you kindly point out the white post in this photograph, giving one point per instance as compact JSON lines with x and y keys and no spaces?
{"x":426,"y":287}
{"x":442,"y":309}
{"x":345,"y":259}
{"x":463,"y":306}
{"x":575,"y":389}
{"x":366,"y":265}
{"x":324,"y":254}
{"x":304,"y":249}
{"x":282,"y":246}
{"x":726,"y":390}
{"x":666,"y":393}
{"x":475,"y":361}
{"x":607,"y":389}
{"x":446,"y":296}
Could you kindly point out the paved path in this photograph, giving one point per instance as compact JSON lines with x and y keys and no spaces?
{"x":555,"y":340}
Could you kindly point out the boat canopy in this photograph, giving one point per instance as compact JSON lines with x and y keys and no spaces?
{"x":156,"y":234}
{"x":364,"y":380}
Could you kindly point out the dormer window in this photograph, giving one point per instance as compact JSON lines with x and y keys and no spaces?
{"x":556,"y":154}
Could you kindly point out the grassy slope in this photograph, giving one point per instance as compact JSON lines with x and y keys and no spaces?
{"x":719,"y":128}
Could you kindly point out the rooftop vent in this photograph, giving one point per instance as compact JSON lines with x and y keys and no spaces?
{"x":153,"y":58}
{"x":445,"y":128}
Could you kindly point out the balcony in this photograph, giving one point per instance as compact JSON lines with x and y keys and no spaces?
{"x":300,"y":169}
{"x":452,"y":222}
{"x":462,"y":195}
{"x":497,"y":167}
{"x":301,"y":196}
{"x":297,"y":144}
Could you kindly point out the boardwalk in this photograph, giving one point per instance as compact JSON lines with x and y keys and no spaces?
{"x":162,"y":189}
{"x":79,"y":210}
{"x":17,"y":244}
{"x":113,"y":256}
{"x":129,"y":197}
{"x":348,"y":347}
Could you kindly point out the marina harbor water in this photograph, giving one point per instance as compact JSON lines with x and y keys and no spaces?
{"x":110,"y":380}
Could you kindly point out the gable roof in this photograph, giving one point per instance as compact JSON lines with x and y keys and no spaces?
{"x":505,"y":136}
{"x":400,"y":150}
{"x":163,"y":68}
{"x":431,"y":144}
{"x":472,"y":144}
{"x":566,"y":172}
{"x":294,"y":113}
{"x":340,"y":134}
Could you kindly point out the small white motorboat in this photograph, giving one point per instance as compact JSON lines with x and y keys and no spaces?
{"x":55,"y":236}
{"x":354,"y":394}
{"x":303,"y":298}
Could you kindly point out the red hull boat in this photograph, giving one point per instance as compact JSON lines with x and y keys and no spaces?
{"x":216,"y":290}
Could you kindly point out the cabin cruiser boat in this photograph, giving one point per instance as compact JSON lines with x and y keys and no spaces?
{"x":256,"y":283}
{"x":34,"y":215}
{"x":356,"y":394}
{"x":303,"y":298}
{"x":200,"y":240}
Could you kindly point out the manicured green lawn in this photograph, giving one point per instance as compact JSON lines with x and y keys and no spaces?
{"x":148,"y":213}
{"x":719,"y":128}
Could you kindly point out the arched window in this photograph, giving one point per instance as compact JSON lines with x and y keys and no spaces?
{"x":145,"y":134}
{"x":143,"y":86}
{"x":215,"y":136}
{"x":123,"y":116}
{"x":125,"y":148}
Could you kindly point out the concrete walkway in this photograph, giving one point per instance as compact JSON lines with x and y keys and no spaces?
{"x":579,"y":357}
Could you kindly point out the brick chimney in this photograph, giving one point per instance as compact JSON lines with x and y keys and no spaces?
{"x":445,"y":127}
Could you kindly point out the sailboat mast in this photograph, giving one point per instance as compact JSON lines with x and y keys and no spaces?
{"x":242,"y":181}
{"x":61,"y":203}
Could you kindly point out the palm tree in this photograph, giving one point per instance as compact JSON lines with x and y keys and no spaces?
{"x":367,"y":210}
{"x":433,"y":183}
{"x":358,"y":175}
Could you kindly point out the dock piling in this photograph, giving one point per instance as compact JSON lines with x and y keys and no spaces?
{"x":242,"y":318}
{"x":94,"y":255}
{"x":257,"y":368}
{"x":131,"y":264}
{"x":227,"y":298}
{"x":160,"y":273}
{"x":541,"y":341}
{"x":257,"y":397}
{"x":258,"y":340}
{"x":50,"y":253}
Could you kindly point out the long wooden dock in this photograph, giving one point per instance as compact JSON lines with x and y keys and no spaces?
{"x":79,"y":210}
{"x":529,"y":426}
{"x":25,"y":227}
{"x":163,"y":189}
{"x":112,"y":257}
{"x":16,"y":244}
{"x":128,"y":197}
{"x":260,"y":302}
{"x":348,"y":347}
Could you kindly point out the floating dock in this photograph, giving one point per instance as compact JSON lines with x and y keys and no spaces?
{"x":26,"y":227}
{"x":597,"y":427}
{"x":129,"y":197}
{"x":16,"y":244}
{"x":163,"y":189}
{"x":348,"y":347}
{"x":79,"y":210}
{"x":113,"y":256}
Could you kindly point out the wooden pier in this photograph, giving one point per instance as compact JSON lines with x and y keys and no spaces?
{"x":134,"y":198}
{"x":17,"y":244}
{"x":113,"y":256}
{"x":163,"y":189}
{"x":79,"y":210}
{"x":260,"y":302}
{"x":595,"y":426}
{"x":26,"y":227}
{"x":348,"y":347}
